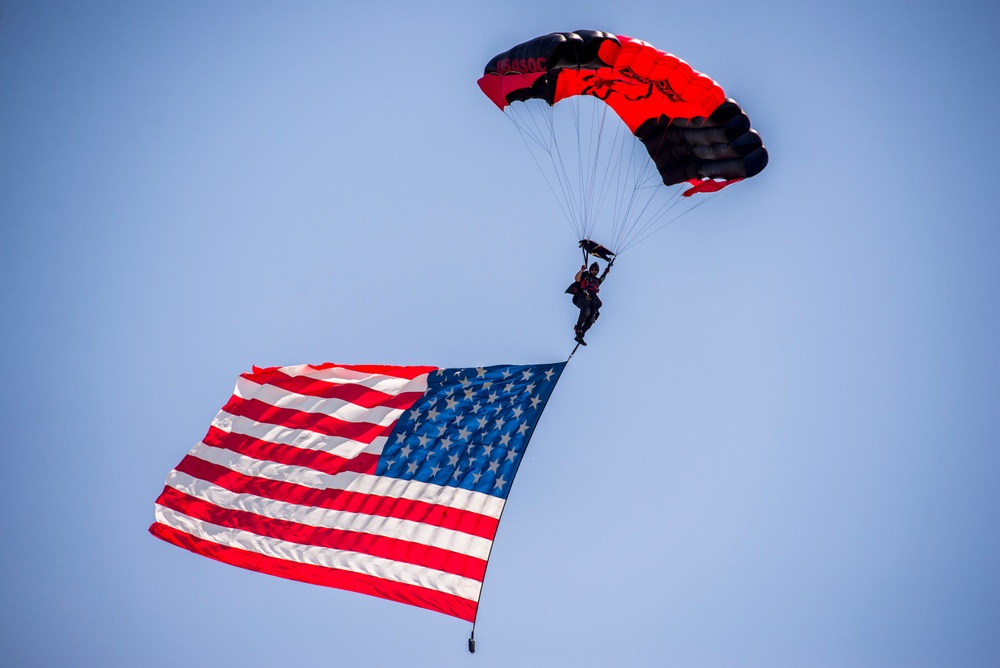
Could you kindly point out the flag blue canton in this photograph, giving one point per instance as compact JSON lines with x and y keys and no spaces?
{"x":471,"y":427}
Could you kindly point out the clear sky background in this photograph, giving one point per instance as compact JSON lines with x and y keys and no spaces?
{"x":781,"y":448}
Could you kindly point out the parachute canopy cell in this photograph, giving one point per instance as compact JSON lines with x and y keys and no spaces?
{"x":692,"y":132}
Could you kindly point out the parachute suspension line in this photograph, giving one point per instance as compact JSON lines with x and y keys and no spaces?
{"x":586,"y":229}
{"x":617,"y":173}
{"x":625,"y":188}
{"x":543,"y":115}
{"x":627,"y":193}
{"x":595,"y":163}
{"x":639,"y":231}
{"x":620,"y":176}
{"x":637,"y":228}
{"x":612,"y":171}
{"x":573,"y":203}
{"x":646,"y":223}
{"x":651,"y":185}
{"x":600,"y":162}
{"x":598,"y":181}
{"x":547,"y":149}
{"x":677,"y":217}
{"x":597,"y":125}
{"x":619,"y":180}
{"x":523,"y":114}
{"x":586,"y":159}
{"x":581,"y":219}
{"x":585,"y":132}
{"x":636,"y":185}
{"x":621,"y":173}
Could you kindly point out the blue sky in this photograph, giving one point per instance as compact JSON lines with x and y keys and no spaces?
{"x":780,"y":449}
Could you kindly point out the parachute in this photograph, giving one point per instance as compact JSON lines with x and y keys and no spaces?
{"x":636,"y":131}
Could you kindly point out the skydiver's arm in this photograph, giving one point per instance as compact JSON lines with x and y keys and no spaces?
{"x":580,"y":273}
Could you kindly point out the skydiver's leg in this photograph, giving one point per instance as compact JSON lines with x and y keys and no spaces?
{"x":578,"y":330}
{"x":592,"y":317}
{"x":585,"y":311}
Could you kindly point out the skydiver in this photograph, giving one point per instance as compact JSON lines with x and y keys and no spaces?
{"x":585,"y":288}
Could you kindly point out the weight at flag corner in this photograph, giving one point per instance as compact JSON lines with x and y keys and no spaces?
{"x":383,"y":480}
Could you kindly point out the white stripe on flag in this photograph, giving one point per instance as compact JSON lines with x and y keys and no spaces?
{"x":389,"y":527}
{"x":452,"y":497}
{"x":336,"y":408}
{"x":375,"y":381}
{"x":299,"y":438}
{"x":378,"y":567}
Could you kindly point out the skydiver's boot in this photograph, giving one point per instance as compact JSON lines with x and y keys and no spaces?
{"x":579,"y":335}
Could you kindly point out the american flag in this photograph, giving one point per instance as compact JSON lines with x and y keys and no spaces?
{"x":383,"y":480}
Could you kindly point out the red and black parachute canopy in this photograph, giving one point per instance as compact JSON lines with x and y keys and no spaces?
{"x":691,"y":131}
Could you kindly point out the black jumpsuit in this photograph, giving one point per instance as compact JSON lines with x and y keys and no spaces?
{"x":587,"y":301}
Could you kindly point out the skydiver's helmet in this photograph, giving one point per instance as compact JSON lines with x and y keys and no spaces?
{"x":594,"y":268}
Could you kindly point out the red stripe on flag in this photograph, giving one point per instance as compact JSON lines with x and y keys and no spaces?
{"x":352,"y":392}
{"x":338,"y":539}
{"x":365,"y":462}
{"x":337,"y":499}
{"x":328,"y":577}
{"x":406,"y":372}
{"x":258,"y":411}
